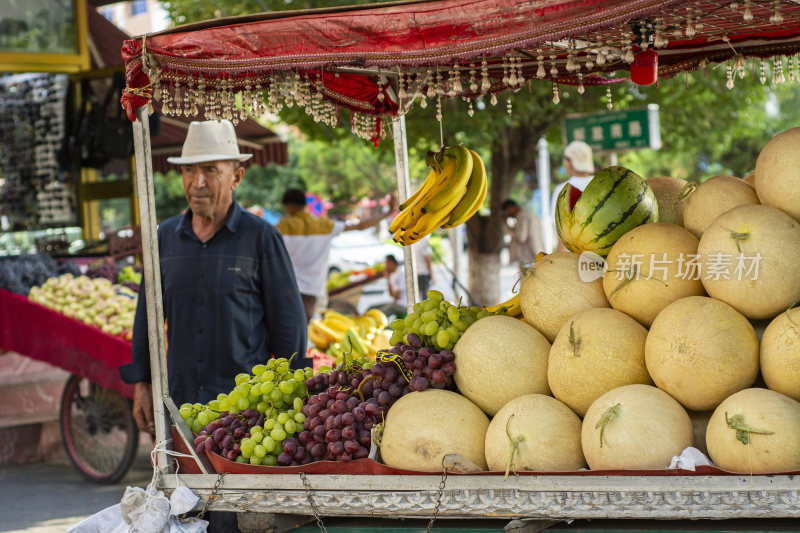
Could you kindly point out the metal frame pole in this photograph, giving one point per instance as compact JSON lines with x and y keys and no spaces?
{"x":404,"y":190}
{"x":152,"y":276}
{"x":548,"y":240}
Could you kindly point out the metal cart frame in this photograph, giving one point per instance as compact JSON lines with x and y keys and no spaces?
{"x":456,"y":496}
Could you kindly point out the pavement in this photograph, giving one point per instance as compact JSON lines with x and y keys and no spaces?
{"x":51,"y":497}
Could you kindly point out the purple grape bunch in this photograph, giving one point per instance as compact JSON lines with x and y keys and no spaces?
{"x":339,"y":420}
{"x":428,"y":368}
{"x":224,"y":435}
{"x":339,"y":424}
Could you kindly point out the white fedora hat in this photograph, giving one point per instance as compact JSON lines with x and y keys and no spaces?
{"x":210,"y":140}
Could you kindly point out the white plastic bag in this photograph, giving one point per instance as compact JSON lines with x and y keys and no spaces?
{"x":151,"y":515}
{"x":147,"y":511}
{"x":182,"y":500}
{"x":689,"y":459}
{"x":133,"y":499}
{"x":109,"y":520}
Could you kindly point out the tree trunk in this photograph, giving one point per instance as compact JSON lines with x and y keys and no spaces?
{"x":484,"y":278}
{"x":513,"y":150}
{"x":486,"y":233}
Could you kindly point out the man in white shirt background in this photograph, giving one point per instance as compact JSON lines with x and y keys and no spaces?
{"x":579,"y":165}
{"x":396,"y":283}
{"x":308,"y":242}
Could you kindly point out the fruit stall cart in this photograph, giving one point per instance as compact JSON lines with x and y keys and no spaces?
{"x":345,"y":298}
{"x":95,"y":418}
{"x":376,"y":61}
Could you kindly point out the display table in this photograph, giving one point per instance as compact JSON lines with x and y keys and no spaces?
{"x":47,"y":335}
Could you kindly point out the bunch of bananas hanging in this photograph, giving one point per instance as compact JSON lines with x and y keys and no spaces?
{"x":453,"y":191}
{"x":336,"y":333}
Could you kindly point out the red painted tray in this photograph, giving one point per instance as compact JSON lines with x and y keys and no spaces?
{"x":371,"y":467}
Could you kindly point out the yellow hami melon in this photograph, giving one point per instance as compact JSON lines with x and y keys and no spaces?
{"x":780,"y":354}
{"x":750,"y":258}
{"x":701,"y":351}
{"x":649,"y":268}
{"x":597,"y":350}
{"x":499,"y":358}
{"x":552,"y":291}
{"x":755,"y":431}
{"x":635,"y":427}
{"x":534,"y":433}
{"x":777,"y":174}
{"x":714,"y":197}
{"x":671,"y":194}
{"x":422,"y":427}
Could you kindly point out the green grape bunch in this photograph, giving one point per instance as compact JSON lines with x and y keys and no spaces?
{"x":266,"y":403}
{"x":437,"y":322}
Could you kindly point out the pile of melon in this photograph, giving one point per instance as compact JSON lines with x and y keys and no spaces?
{"x":688,"y":336}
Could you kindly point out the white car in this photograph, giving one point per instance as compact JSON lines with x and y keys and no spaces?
{"x":359,"y":249}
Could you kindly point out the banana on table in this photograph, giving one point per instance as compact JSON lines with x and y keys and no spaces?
{"x":344,"y":333}
{"x":512,"y":307}
{"x":453,"y":191}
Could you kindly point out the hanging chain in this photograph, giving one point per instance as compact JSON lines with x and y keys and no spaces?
{"x":213,"y":495}
{"x":438,"y":501}
{"x":307,"y":488}
{"x":439,"y":117}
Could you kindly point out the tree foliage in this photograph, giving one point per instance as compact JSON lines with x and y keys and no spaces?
{"x":707,"y":130}
{"x":185,"y":11}
{"x":168,"y":192}
{"x":343,"y":174}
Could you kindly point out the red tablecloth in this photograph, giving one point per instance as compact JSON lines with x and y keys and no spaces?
{"x":41,"y":333}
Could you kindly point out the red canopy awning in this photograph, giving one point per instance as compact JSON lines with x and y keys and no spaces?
{"x":375,"y":59}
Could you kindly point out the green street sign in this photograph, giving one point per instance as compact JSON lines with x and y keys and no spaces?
{"x":616,"y":131}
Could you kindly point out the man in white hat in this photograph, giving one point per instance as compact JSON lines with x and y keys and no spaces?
{"x":230,"y":295}
{"x":579,"y":165}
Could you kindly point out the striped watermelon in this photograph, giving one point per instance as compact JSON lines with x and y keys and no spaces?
{"x":615,"y":201}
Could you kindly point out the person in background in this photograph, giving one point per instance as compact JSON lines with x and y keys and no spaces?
{"x":526,"y":233}
{"x":422,"y":254}
{"x":396,"y":283}
{"x":579,"y":165}
{"x":229,"y":293}
{"x":308,"y":241}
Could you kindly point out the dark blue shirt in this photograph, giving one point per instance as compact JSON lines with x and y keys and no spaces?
{"x":230,"y":303}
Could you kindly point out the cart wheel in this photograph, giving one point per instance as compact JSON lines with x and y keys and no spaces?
{"x":98,"y":430}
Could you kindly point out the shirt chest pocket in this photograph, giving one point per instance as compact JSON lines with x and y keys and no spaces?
{"x":238,"y":275}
